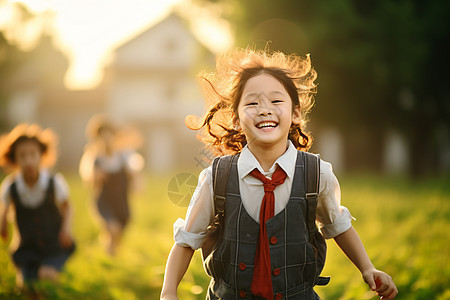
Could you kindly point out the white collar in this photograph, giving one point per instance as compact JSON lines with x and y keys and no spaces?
{"x":247,"y":162}
{"x":42,"y":182}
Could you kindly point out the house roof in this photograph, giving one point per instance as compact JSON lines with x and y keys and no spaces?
{"x":167,"y":33}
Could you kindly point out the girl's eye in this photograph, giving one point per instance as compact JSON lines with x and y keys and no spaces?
{"x":252,"y":103}
{"x":277,"y":101}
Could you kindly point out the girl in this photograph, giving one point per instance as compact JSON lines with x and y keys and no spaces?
{"x":41,"y":203}
{"x":259,"y":105}
{"x":109,"y":163}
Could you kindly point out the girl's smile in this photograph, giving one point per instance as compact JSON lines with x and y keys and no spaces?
{"x":266,"y":125}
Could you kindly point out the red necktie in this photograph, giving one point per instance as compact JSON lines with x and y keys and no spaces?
{"x":262,"y":273}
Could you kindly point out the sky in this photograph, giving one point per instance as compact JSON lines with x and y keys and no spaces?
{"x":87,"y":31}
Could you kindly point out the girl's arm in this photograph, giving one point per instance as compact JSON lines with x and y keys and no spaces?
{"x":4,"y":222}
{"x":177,"y":264}
{"x":65,"y":236}
{"x":199,"y":215}
{"x":378,"y":281}
{"x":98,"y":178}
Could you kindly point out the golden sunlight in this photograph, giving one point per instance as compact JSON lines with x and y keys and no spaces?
{"x":88,"y":31}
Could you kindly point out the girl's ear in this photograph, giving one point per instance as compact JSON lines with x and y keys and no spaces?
{"x":236,"y":123}
{"x":296,"y":115}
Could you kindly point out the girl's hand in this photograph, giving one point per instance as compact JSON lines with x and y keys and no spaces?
{"x":380,"y":282}
{"x":169,"y":298}
{"x":4,"y":223}
{"x":166,"y":296}
{"x":65,"y":238}
{"x":4,"y":233}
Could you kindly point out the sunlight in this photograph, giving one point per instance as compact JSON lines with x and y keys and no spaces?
{"x":91,"y":30}
{"x":37,"y":6}
{"x":213,"y":33}
{"x":88,"y":31}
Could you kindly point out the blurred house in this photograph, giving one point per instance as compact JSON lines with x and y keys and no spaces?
{"x":151,"y":83}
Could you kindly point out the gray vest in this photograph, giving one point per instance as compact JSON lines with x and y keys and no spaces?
{"x":291,"y":255}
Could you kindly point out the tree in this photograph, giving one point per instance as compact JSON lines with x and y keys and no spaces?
{"x":10,"y":57}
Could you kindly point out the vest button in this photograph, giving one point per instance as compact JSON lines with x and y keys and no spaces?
{"x":242,"y":294}
{"x":276,"y":272}
{"x":278,"y":297}
{"x":273,"y":240}
{"x":242,"y":266}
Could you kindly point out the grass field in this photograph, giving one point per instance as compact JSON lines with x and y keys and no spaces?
{"x":404,"y":225}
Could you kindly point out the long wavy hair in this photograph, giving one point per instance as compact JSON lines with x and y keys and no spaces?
{"x":223,"y":90}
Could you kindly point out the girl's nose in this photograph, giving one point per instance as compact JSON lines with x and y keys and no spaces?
{"x":264,"y":110}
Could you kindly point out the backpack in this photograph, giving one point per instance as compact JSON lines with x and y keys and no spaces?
{"x":221,"y":167}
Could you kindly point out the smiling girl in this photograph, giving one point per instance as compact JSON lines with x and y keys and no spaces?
{"x":259,"y":102}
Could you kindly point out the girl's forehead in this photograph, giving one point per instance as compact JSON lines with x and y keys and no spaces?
{"x":28,"y":145}
{"x":263,"y":83}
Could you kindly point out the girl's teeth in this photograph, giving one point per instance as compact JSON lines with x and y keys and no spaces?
{"x":266,"y":125}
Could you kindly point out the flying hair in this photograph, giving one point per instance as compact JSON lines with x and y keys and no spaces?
{"x":223,"y":90}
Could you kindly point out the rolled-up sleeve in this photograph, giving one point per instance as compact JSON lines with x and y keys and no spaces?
{"x":332,"y":218}
{"x":191,"y":232}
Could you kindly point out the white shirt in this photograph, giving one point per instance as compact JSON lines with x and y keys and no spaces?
{"x":115,"y":162}
{"x":34,"y":196}
{"x":132,"y":161}
{"x":332,"y":218}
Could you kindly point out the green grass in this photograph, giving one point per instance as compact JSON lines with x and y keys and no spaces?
{"x":404,"y":225}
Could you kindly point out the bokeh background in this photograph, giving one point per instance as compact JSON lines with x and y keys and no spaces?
{"x":382,"y":118}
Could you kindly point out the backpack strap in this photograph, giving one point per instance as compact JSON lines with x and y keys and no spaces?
{"x":221,"y":167}
{"x":312,"y":181}
{"x":220,"y":172}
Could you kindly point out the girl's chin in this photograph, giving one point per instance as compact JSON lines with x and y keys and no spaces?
{"x":30,"y":172}
{"x":267,"y":142}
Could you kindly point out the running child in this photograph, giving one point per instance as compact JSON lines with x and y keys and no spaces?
{"x":40,"y":200}
{"x":259,"y":101}
{"x":111,"y":164}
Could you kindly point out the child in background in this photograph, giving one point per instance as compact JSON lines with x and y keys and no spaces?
{"x":41,"y":203}
{"x":258,"y":107}
{"x":110,"y":164}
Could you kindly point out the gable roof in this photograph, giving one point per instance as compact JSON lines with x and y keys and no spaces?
{"x":168,"y":42}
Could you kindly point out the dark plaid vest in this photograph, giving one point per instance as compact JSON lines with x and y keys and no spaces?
{"x":292,"y":256}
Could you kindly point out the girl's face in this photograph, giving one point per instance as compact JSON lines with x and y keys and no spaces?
{"x":28,"y":157}
{"x":106,"y":135}
{"x":265,"y":112}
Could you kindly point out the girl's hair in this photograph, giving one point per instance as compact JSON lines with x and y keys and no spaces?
{"x":223,"y":90}
{"x":97,"y":124}
{"x":45,"y":139}
{"x":125,"y":137}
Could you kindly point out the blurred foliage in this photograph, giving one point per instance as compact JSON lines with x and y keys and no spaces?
{"x":9,"y":57}
{"x":41,"y":67}
{"x":382,"y":65}
{"x":403,"y":224}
